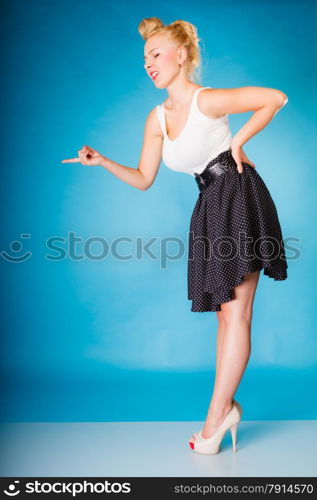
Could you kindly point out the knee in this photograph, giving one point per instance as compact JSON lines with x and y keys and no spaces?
{"x":221,"y":321}
{"x":230,"y":316}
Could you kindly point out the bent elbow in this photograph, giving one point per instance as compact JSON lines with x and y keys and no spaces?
{"x":282,"y":99}
{"x":147,"y":184}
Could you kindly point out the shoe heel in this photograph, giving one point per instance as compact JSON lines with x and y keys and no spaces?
{"x":234,"y":430}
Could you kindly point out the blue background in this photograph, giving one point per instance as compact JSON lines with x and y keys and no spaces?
{"x":104,"y":339}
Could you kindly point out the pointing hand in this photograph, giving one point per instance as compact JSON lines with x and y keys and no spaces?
{"x":87,"y":156}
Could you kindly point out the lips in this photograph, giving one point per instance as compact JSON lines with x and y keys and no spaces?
{"x":154,"y":74}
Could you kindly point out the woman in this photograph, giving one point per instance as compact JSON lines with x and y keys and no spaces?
{"x":234,"y":216}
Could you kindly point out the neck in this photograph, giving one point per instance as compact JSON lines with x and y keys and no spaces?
{"x":180,"y":94}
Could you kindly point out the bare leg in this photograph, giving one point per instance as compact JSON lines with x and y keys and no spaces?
{"x":233,"y":350}
{"x":220,"y":337}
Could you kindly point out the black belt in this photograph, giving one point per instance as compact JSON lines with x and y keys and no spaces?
{"x":217,"y":166}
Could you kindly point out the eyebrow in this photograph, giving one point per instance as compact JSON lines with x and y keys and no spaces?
{"x":151,"y":51}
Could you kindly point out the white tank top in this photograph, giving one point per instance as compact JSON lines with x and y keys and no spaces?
{"x":201,"y":139}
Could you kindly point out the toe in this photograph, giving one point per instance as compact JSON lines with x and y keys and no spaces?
{"x":193,"y":437}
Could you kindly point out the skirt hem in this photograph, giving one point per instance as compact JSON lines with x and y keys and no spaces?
{"x":224,"y":295}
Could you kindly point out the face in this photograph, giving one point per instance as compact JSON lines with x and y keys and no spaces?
{"x":162,"y":59}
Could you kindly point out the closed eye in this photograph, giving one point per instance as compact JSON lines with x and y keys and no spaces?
{"x":154,"y":56}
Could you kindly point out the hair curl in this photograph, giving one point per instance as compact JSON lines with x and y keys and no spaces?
{"x":183,"y":33}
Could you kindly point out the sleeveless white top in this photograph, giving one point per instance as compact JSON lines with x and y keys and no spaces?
{"x":201,"y":139}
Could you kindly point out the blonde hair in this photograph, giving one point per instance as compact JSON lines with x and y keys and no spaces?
{"x":183,"y":33}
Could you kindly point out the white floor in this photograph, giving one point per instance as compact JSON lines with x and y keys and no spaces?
{"x":130,"y":449}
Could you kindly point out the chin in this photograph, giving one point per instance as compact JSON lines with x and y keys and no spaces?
{"x":160,"y":85}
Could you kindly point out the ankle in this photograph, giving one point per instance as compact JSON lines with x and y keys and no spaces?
{"x":217,"y":412}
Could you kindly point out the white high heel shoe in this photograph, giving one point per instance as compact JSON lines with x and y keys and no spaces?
{"x":212,"y":445}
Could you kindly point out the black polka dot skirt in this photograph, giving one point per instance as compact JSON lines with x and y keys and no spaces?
{"x":234,"y":231}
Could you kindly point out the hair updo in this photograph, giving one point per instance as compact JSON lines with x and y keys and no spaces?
{"x":183,"y":33}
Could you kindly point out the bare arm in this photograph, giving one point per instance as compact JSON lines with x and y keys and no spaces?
{"x":265,"y":102}
{"x":151,"y":155}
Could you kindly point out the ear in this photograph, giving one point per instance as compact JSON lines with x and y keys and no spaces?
{"x":182,"y":54}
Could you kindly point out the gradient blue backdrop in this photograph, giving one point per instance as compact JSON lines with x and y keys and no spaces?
{"x":88,"y":338}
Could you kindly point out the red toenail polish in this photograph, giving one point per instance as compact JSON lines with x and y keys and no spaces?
{"x":191,"y":445}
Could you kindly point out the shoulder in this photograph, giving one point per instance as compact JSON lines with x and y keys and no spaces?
{"x":152,"y":122}
{"x":207,"y":102}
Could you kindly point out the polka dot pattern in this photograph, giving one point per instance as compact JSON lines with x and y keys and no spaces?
{"x":234,"y":230}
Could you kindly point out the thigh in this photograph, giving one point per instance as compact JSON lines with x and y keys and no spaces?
{"x":243,"y":295}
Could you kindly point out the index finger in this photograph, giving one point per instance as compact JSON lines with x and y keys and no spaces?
{"x":71,"y":160}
